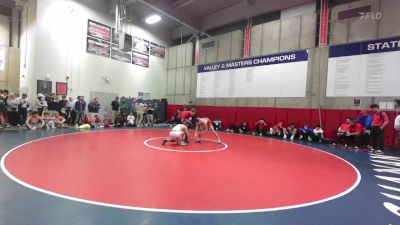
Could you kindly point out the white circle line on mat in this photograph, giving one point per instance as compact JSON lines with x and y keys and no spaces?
{"x":146,"y":143}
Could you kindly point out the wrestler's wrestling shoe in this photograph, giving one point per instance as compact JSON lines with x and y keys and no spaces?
{"x":183,"y":143}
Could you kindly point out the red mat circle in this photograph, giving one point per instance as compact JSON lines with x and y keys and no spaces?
{"x":114,"y":168}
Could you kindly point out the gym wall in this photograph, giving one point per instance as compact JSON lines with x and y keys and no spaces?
{"x":288,"y":34}
{"x":53,"y":32}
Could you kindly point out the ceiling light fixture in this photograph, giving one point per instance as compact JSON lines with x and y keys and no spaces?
{"x":153,"y":19}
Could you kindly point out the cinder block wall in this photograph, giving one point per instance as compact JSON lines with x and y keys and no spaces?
{"x":288,"y":34}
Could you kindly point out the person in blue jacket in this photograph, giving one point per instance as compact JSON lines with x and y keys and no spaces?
{"x":306,"y":132}
{"x":365,"y":119}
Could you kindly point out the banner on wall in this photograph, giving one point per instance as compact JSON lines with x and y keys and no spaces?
{"x":278,"y":75}
{"x":61,"y":88}
{"x":323,"y":26}
{"x":99,"y":30}
{"x":140,"y":59}
{"x":365,"y":69}
{"x":197,"y":50}
{"x":246,"y":45}
{"x":157,"y":50}
{"x":140,"y":45}
{"x":2,"y":58}
{"x":98,"y":47}
{"x":143,"y":95}
{"x":120,"y":55}
{"x":44,"y":87}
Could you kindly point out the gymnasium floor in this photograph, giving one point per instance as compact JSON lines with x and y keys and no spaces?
{"x":126,"y":177}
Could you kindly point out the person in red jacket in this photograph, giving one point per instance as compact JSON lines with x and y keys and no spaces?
{"x":185,"y":117}
{"x":86,"y":120}
{"x":261,"y":127}
{"x":354,"y":134}
{"x":342,"y":131}
{"x":380,"y":120}
{"x":277,"y":130}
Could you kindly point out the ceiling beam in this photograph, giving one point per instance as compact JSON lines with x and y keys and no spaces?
{"x":180,"y":3}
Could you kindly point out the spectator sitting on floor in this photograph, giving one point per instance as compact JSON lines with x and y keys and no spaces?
{"x":97,"y":121}
{"x":397,"y":123}
{"x":233,"y":129}
{"x":354,"y":135}
{"x":243,"y":128}
{"x":59,"y":121}
{"x":277,"y":130}
{"x":261,"y":127}
{"x":119,"y":121}
{"x":318,"y":134}
{"x":342,"y":131}
{"x":130,"y":121}
{"x":217,"y":124}
{"x":306,"y":132}
{"x":48,"y":120}
{"x":34,"y":121}
{"x":108,"y":122}
{"x":86,"y":122}
{"x":290,"y":131}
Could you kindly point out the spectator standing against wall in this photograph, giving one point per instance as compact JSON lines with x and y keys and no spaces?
{"x":63,"y":103}
{"x":52,"y":104}
{"x":140,"y":114}
{"x":149,"y":110}
{"x":366,"y":121}
{"x":80,"y":107}
{"x":5,"y":92}
{"x":2,"y":108}
{"x":40,"y":104}
{"x":115,"y":107}
{"x":12,"y":109}
{"x":380,"y":120}
{"x":94,"y":107}
{"x":71,"y":111}
{"x":134,"y":110}
{"x":124,"y":106}
{"x":24,"y":105}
